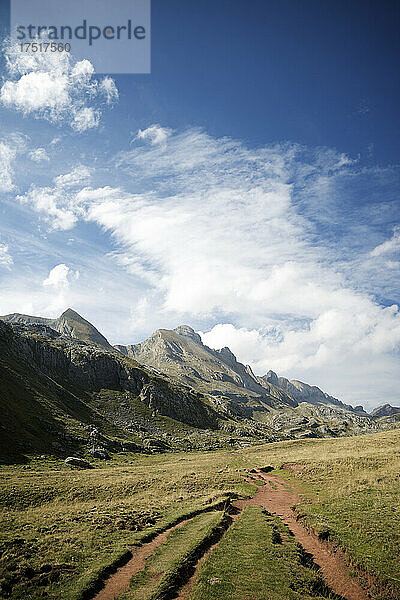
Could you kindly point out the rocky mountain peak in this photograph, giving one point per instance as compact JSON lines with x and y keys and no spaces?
{"x":73,"y":324}
{"x":272,"y":377}
{"x":187,"y":331}
{"x":69,"y":324}
{"x":386,"y":410}
{"x":226,"y":355}
{"x":70,"y":313}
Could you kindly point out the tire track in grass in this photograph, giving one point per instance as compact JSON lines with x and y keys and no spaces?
{"x":279,"y":499}
{"x":118,"y":583}
{"x":274,"y":495}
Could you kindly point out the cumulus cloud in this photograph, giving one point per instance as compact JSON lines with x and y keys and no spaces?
{"x":60,"y":277}
{"x":84,"y":119}
{"x":52,"y":86}
{"x":39,"y":155}
{"x":154,"y":134}
{"x":5,"y":258}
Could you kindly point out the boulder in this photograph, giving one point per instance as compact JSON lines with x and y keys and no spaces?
{"x":74,"y":461}
{"x":100,"y":453}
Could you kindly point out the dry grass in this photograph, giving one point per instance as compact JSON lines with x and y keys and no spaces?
{"x":79,"y":521}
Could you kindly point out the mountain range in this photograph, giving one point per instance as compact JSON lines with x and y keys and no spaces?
{"x":65,"y":389}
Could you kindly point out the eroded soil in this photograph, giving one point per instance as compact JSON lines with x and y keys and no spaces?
{"x":277,"y":497}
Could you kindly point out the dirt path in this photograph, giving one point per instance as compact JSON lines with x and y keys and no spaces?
{"x":119,"y":581}
{"x":279,"y":498}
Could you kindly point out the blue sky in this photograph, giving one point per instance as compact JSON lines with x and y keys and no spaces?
{"x":249,"y":187}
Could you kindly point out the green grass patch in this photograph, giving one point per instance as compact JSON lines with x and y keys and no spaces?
{"x":78,"y":522}
{"x":172,"y":560}
{"x":258,"y":559}
{"x":354,"y":485}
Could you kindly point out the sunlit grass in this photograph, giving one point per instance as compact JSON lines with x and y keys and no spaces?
{"x":53,"y":515}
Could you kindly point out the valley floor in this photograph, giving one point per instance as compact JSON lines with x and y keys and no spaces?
{"x":214,"y":520}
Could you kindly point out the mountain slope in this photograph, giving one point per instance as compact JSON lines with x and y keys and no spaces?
{"x":386,"y":410}
{"x":62,"y":390}
{"x":55,"y":392}
{"x":289,"y":408}
{"x":180,"y":354}
{"x":70,"y":324}
{"x":303,"y":392}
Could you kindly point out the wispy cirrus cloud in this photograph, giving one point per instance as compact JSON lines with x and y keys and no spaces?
{"x":56,"y":204}
{"x":6,"y":259}
{"x":389,"y":246}
{"x":10,"y":147}
{"x":261,"y":248}
{"x":7,"y":156}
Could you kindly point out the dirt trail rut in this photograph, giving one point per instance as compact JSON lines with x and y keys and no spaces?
{"x":119,"y":581}
{"x":279,"y":498}
{"x":276,"y":496}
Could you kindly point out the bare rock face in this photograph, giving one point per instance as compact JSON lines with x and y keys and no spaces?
{"x":181,"y":355}
{"x":272,"y":377}
{"x":69,"y":324}
{"x":386,"y":410}
{"x":187,"y":331}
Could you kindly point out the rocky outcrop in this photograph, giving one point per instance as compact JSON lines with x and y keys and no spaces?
{"x":386,"y":410}
{"x":303,"y":392}
{"x":180,"y":354}
{"x":92,"y":370}
{"x":69,"y":324}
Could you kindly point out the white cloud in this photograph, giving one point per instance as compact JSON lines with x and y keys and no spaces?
{"x":36,"y":91}
{"x":57,"y":204}
{"x":54,"y":87}
{"x":85,"y":118}
{"x":392,"y":245}
{"x":78,"y":176}
{"x":39,"y":155}
{"x":60,"y":277}
{"x":10,"y":147}
{"x":232,"y":238}
{"x":154,"y":134}
{"x":5,"y":258}
{"x":109,"y":90}
{"x":82,"y":70}
{"x":7,"y":156}
{"x":52,"y":205}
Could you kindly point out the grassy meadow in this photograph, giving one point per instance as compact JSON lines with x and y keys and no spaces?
{"x":258,"y":559}
{"x":60,"y":527}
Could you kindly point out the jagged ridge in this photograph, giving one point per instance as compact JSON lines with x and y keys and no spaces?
{"x":70,"y":323}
